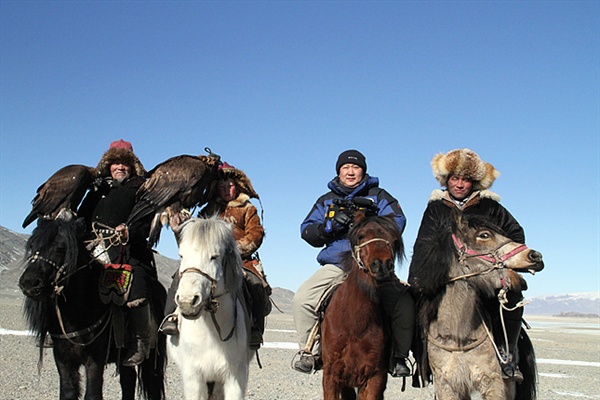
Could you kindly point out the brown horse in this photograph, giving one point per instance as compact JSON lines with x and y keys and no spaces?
{"x":469,"y":264}
{"x":355,"y":339}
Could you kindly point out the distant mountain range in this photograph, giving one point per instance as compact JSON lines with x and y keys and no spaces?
{"x":12,"y":251}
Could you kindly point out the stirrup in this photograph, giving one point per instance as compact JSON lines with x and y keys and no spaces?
{"x":170,"y":325}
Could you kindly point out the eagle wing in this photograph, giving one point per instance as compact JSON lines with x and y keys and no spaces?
{"x":172,"y":187}
{"x":64,"y":190}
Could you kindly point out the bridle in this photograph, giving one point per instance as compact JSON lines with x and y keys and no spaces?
{"x":59,"y":277}
{"x":493,"y":257}
{"x":212,"y":305}
{"x":358,"y":247}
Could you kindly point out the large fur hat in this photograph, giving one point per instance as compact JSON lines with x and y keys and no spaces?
{"x":242,"y":181}
{"x":120,"y":151}
{"x":466,"y":163}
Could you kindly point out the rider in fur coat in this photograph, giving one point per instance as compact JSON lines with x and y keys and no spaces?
{"x":467,"y":179}
{"x":229,"y":198}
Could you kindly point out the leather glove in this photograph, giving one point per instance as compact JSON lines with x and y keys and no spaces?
{"x":340,"y":221}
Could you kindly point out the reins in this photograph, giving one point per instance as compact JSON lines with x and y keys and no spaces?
{"x":213,"y":304}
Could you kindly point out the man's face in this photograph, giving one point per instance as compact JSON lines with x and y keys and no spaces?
{"x":120,"y":172}
{"x":459,"y":187}
{"x":351,"y":175}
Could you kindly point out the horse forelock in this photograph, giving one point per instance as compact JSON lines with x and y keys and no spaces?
{"x":45,"y":239}
{"x":209,"y":236}
{"x":384,"y":224}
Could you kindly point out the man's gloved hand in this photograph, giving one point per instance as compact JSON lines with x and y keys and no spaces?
{"x":337,"y":220}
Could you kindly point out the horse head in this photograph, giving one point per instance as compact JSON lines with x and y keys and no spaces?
{"x":210,"y":265}
{"x":481,"y":247}
{"x":51,"y":256}
{"x":376,"y":243}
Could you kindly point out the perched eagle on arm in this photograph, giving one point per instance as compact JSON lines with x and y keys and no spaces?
{"x":172,"y":188}
{"x":64,"y":190}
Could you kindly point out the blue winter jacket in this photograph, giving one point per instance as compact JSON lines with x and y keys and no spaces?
{"x":312,"y":228}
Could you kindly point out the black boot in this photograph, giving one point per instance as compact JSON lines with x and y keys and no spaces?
{"x":398,"y":367}
{"x":512,"y":324}
{"x":139,"y":319}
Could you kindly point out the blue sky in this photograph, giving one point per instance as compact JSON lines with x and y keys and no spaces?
{"x":279,"y":89}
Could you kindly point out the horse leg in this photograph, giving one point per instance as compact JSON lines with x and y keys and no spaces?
{"x":127,"y":379}
{"x":374,"y":388}
{"x":68,"y":372}
{"x":94,"y":379}
{"x":194,"y":386}
{"x":331,"y":391}
{"x":234,"y":388}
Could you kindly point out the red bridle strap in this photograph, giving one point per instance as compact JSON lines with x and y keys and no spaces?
{"x":492,"y":256}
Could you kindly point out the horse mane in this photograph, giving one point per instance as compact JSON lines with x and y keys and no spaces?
{"x":209,"y":231}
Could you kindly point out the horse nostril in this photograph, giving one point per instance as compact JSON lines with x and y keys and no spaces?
{"x":535,"y":256}
{"x":196,"y":300}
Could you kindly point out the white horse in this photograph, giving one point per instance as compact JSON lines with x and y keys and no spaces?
{"x":212,"y":350}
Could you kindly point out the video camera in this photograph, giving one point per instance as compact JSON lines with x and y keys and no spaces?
{"x":357,"y":204}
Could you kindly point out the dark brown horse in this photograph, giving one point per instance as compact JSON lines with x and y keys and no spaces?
{"x":355,"y":338}
{"x":60,"y":282}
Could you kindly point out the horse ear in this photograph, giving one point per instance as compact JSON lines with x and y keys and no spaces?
{"x":358,"y":216}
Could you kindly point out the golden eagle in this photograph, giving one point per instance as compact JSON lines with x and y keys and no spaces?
{"x":64,"y":190}
{"x":172,"y":188}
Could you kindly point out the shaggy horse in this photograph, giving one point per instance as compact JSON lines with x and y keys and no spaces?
{"x":60,"y":282}
{"x":355,"y":339}
{"x":468,"y":264}
{"x":212,"y":350}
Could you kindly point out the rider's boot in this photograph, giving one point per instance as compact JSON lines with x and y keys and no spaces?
{"x":400,"y":309}
{"x":139,"y":317}
{"x":260,"y":306}
{"x":510,"y":365}
{"x":398,"y":367}
{"x":170,"y":325}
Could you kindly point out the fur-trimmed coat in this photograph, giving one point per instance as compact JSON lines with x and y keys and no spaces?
{"x":247,"y":229}
{"x":439,"y":210}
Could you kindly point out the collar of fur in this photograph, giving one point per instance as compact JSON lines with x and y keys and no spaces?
{"x":439,"y":194}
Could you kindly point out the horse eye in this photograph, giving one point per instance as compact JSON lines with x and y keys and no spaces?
{"x":484,"y":235}
{"x":214,"y":257}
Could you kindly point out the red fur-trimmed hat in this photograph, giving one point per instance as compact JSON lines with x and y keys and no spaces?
{"x":465,"y":163}
{"x":120,"y":151}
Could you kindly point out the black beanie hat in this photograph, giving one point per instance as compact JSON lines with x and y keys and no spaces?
{"x":351,"y":157}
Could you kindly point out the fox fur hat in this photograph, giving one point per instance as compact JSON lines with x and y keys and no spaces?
{"x":465,"y":163}
{"x":120,"y":151}
{"x":242,"y":182}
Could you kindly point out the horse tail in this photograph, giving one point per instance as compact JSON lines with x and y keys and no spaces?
{"x":527,"y":390}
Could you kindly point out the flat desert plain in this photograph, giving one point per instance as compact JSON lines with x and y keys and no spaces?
{"x":568,"y":352}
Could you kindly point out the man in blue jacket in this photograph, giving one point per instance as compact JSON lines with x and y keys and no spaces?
{"x":351,"y":182}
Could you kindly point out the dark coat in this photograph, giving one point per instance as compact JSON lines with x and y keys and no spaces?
{"x":484,"y":203}
{"x":110,"y":204}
